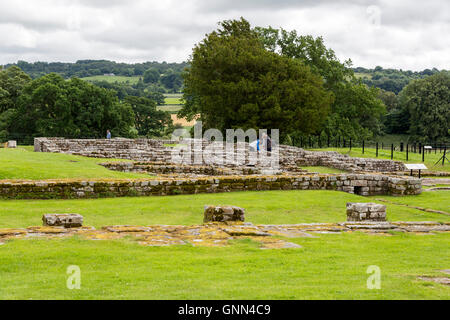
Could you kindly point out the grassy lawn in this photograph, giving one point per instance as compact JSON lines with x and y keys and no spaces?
{"x":112,"y":79}
{"x":437,"y":200}
{"x":268,"y":207}
{"x":326,"y":267}
{"x":430,"y":158}
{"x":23,"y":163}
{"x":176,"y":101}
{"x":319,"y":169}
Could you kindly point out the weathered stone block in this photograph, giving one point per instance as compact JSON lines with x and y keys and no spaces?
{"x":366,"y":212}
{"x":67,"y":220}
{"x":223,"y":214}
{"x":12,"y":144}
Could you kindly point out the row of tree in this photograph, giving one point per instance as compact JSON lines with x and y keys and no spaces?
{"x":160,"y":76}
{"x":392,"y":80}
{"x":244,"y":77}
{"x":52,"y":106}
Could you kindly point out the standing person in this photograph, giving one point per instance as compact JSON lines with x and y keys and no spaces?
{"x":263,"y":142}
{"x":108,"y":134}
{"x":268,"y":144}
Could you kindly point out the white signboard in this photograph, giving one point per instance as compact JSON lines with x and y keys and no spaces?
{"x":419,"y":166}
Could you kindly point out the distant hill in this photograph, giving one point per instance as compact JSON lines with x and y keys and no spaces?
{"x":170,"y":80}
{"x":166,"y":76}
{"x":89,"y":68}
{"x":390,"y":79}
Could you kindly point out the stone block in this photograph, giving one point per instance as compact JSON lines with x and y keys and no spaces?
{"x":12,"y":144}
{"x":67,"y":220}
{"x":366,"y":212}
{"x":223,"y":214}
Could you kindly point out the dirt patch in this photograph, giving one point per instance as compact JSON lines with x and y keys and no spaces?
{"x":182,"y":121}
{"x":440,"y":280}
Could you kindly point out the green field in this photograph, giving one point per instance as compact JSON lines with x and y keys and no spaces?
{"x":170,"y":108}
{"x":173,"y":101}
{"x":328,"y":266}
{"x":277,"y":207}
{"x":112,"y":79}
{"x":23,"y":163}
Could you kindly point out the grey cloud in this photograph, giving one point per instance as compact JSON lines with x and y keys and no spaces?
{"x":408,"y":37}
{"x":231,"y":5}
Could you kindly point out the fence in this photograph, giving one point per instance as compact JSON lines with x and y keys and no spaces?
{"x":405,"y":149}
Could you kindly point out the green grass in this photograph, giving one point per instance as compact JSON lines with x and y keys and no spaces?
{"x":175,"y":101}
{"x":263,"y":207}
{"x":23,"y":163}
{"x":326,"y":267}
{"x":430,"y":158}
{"x":319,"y":169}
{"x":437,"y":200}
{"x":112,"y":79}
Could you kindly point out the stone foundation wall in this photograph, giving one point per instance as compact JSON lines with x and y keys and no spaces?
{"x":173,"y":169}
{"x":362,"y":184}
{"x":154,"y":150}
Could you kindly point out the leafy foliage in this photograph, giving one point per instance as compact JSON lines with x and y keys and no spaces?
{"x":356,"y":111}
{"x":391,"y":79}
{"x":234,"y":82}
{"x":51,"y":106}
{"x":149,"y":121}
{"x":428,"y":103}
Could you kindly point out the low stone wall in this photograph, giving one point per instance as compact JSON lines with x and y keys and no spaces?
{"x":154,"y":150}
{"x":163,"y":168}
{"x":362,"y":184}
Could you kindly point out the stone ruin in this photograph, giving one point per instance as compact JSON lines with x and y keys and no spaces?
{"x":149,"y":150}
{"x":366,"y":212}
{"x":66,"y":220}
{"x":223,"y":224}
{"x":223,"y":214}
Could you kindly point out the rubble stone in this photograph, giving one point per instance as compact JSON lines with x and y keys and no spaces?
{"x":223,"y":214}
{"x":67,"y":220}
{"x":366,"y":212}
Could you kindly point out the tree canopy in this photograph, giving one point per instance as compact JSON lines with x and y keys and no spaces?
{"x":356,"y":111}
{"x":54,"y":107}
{"x":234,"y":82}
{"x":427,"y":101}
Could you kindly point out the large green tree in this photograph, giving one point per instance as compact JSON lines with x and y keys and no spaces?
{"x":428,"y":103}
{"x":234,"y":82}
{"x":356,"y":111}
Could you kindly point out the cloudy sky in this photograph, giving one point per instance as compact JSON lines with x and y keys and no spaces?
{"x":391,"y":33}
